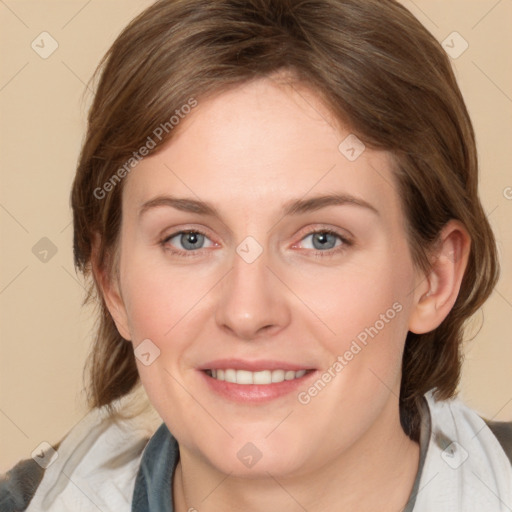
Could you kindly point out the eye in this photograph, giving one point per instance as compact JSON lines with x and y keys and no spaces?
{"x":324,"y":242}
{"x":186,"y":241}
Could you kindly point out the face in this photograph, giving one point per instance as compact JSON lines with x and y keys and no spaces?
{"x":237,"y":272}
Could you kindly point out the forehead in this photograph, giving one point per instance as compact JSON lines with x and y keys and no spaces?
{"x":263,"y":142}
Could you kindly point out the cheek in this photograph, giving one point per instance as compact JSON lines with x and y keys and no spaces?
{"x":362,"y":370}
{"x":161,"y":303}
{"x":158,"y":296}
{"x":351,"y":298}
{"x":362,"y":311}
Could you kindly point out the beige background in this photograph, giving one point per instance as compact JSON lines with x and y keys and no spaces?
{"x":45,"y":333}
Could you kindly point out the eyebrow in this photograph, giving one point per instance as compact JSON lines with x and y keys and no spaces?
{"x":292,"y":207}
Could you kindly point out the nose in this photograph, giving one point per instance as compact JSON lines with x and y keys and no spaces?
{"x":253,"y":302}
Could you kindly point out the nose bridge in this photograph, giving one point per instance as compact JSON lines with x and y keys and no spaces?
{"x":251,"y":300}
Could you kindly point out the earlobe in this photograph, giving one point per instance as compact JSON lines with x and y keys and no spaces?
{"x":116,"y":307}
{"x":109,"y":288}
{"x":437,"y":292}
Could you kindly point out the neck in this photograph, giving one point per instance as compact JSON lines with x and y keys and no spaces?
{"x":377,"y":473}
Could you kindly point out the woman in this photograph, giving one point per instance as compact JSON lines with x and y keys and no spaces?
{"x":277,"y":203}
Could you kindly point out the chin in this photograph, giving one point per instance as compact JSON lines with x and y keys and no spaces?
{"x":258,"y":458}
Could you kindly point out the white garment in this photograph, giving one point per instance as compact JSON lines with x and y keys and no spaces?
{"x":465,"y":470}
{"x":96,"y":466}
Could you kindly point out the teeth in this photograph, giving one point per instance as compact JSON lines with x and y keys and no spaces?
{"x":278,"y":376}
{"x":244,"y":377}
{"x":261,"y":377}
{"x":264,"y":377}
{"x":229,"y":375}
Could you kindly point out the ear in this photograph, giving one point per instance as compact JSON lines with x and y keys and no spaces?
{"x":436,"y":293}
{"x":110,"y":290}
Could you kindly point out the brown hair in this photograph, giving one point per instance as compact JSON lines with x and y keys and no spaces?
{"x":378,"y":70}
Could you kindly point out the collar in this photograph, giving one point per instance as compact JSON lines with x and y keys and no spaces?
{"x":465,"y":468}
{"x":462,"y":465}
{"x":152,"y":492}
{"x":153,"y":484}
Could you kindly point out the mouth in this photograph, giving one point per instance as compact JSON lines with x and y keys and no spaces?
{"x":261,"y":378}
{"x":253,"y":382}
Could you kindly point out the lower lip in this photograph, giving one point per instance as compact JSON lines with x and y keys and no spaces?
{"x":255,"y":393}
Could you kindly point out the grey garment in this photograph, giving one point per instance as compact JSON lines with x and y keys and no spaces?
{"x":153,"y":484}
{"x":19,"y":484}
{"x":503,"y":431}
{"x":152,"y":492}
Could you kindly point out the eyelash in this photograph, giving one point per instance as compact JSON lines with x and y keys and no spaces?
{"x":316,"y":253}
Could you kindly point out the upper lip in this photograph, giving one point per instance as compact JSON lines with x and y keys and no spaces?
{"x":252,"y":366}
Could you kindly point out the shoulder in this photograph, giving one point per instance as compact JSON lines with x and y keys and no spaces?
{"x":465,"y":422}
{"x":94,"y":467}
{"x":503,"y":433}
{"x":462,"y":423}
{"x":466,"y":464}
{"x":18,"y":485}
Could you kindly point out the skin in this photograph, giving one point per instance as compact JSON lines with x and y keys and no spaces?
{"x":248,"y":151}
